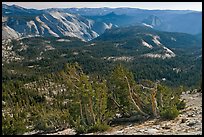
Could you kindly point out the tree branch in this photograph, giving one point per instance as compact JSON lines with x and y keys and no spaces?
{"x":136,"y":106}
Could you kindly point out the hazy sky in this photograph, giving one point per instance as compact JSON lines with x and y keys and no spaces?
{"x":142,"y":5}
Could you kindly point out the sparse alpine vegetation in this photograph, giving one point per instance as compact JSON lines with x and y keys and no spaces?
{"x":92,"y":70}
{"x":85,"y":103}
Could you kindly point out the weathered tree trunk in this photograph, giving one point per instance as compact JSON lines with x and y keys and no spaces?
{"x":100,"y":107}
{"x":81,"y":112}
{"x":86,"y":113}
{"x":137,"y":99}
{"x":135,"y":105}
{"x":91,"y":109}
{"x":81,"y":109}
{"x":154,"y":101}
{"x":161,"y":100}
{"x":116,"y":102}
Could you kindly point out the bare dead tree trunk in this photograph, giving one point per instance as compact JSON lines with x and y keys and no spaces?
{"x":154,"y":101}
{"x":81,"y":112}
{"x":91,"y":109}
{"x":115,"y":102}
{"x":135,"y":105}
{"x":86,"y":113}
{"x":137,"y":99}
{"x":100,"y":107}
{"x":80,"y":105}
{"x":161,"y":100}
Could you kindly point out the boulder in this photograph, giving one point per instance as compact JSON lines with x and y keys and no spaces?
{"x":192,"y":123}
{"x":183,"y":120}
{"x":151,"y":131}
{"x":166,"y":127}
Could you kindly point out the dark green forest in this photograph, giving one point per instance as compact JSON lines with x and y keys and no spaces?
{"x":71,"y":98}
{"x":58,"y":84}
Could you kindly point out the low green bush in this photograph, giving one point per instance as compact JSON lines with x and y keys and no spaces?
{"x":79,"y":127}
{"x":169,"y":113}
{"x":181,"y":105}
{"x":98,"y":127}
{"x":11,"y":126}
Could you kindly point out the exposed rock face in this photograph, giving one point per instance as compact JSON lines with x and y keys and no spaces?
{"x":52,"y":23}
{"x":152,"y":20}
{"x":9,"y":33}
{"x":64,"y":132}
{"x":184,"y":124}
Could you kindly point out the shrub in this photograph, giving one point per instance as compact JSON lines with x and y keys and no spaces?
{"x":42,"y":124}
{"x":78,"y":127}
{"x":81,"y":128}
{"x":169,"y":113}
{"x":98,"y":127}
{"x":181,"y":105}
{"x":11,"y":126}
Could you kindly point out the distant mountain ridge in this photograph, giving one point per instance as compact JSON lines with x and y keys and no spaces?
{"x":186,"y":21}
{"x":20,"y":22}
{"x":89,"y":23}
{"x":149,"y":42}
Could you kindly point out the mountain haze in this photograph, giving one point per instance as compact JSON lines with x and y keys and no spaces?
{"x":26,"y":22}
{"x":89,"y":23}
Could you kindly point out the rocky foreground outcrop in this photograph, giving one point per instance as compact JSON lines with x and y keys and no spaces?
{"x":189,"y":122}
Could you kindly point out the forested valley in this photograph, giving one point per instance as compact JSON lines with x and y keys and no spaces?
{"x":88,"y":93}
